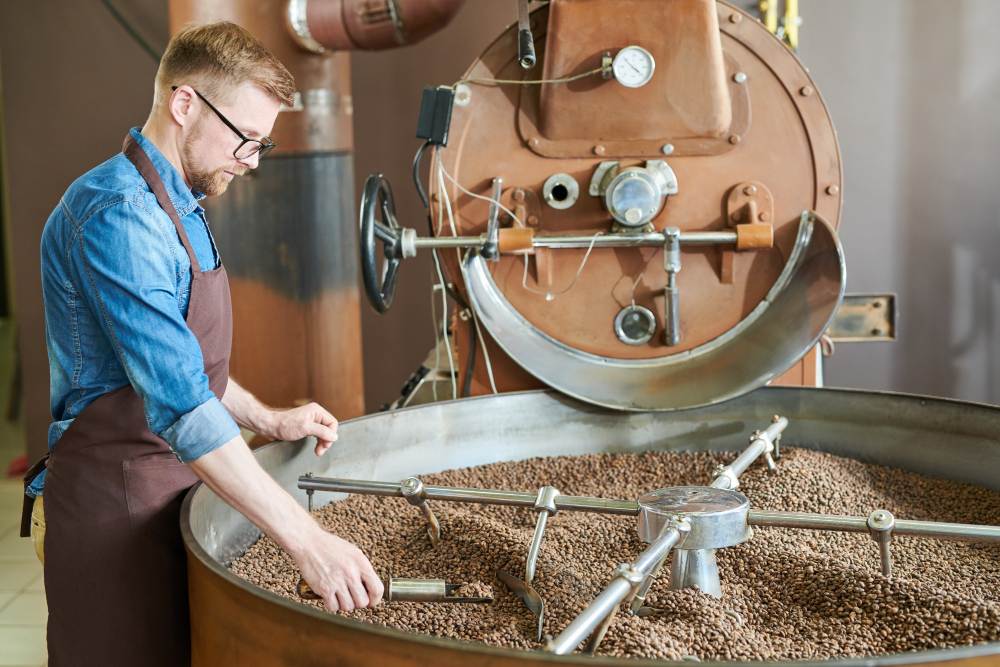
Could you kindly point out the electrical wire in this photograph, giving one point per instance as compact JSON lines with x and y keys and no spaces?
{"x":416,"y":173}
{"x":444,"y":314}
{"x":446,"y":200}
{"x":528,"y":82}
{"x":130,"y":29}
{"x":549,"y":294}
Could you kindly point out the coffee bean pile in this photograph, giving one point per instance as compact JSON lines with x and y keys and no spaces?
{"x":787,"y":594}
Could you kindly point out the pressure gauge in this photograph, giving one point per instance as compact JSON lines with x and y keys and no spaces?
{"x":633,"y":66}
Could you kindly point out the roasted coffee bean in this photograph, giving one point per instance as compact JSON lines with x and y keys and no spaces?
{"x":787,"y":594}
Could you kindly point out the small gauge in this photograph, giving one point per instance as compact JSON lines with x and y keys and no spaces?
{"x":633,"y":66}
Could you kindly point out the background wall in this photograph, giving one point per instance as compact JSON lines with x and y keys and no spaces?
{"x":913,"y":87}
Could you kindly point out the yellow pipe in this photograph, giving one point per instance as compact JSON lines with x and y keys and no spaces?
{"x":792,"y":23}
{"x":769,"y":13}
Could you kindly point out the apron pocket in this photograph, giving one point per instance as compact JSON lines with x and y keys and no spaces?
{"x":154,"y":489}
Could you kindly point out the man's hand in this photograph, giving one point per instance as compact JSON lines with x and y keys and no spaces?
{"x":337,"y":571}
{"x":297,"y":423}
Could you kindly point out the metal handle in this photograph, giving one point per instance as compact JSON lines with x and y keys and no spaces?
{"x":377,"y":197}
{"x":403,"y":589}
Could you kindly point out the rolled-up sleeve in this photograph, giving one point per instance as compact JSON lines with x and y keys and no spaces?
{"x":128,"y":275}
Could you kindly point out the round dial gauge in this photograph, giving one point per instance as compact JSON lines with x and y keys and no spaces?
{"x":633,"y":66}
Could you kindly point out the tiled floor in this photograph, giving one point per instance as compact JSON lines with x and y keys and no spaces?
{"x":22,"y":598}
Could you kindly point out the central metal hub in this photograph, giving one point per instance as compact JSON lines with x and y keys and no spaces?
{"x":718,"y":516}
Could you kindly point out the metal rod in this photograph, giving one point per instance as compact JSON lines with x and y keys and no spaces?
{"x":672,"y":294}
{"x":535,"y":547}
{"x":761,"y":442}
{"x":859,"y":524}
{"x":620,"y":588}
{"x":584,"y":241}
{"x":481,"y":496}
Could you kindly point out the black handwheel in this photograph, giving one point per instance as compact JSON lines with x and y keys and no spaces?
{"x":380,"y":286}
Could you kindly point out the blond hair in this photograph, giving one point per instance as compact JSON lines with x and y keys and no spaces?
{"x":217,"y":58}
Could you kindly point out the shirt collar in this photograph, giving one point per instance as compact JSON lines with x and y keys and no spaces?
{"x":181,"y":196}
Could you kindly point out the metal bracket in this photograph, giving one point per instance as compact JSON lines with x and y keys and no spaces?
{"x":491,"y":247}
{"x":863,"y":318}
{"x":749,"y":206}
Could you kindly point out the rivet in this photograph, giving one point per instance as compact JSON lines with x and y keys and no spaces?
{"x":735,"y":18}
{"x":734,"y":139}
{"x":736,"y":216}
{"x":832,"y":190}
{"x":598,"y":149}
{"x":806,"y":91}
{"x":518,"y":195}
{"x":763,"y":216}
{"x":667,"y":149}
{"x":533,"y":220}
{"x":740,"y":77}
{"x":750,"y":190}
{"x":533,"y":142}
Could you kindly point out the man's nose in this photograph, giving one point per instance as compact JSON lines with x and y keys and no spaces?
{"x":251,"y":162}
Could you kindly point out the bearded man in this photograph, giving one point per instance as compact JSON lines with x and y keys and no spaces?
{"x":138,"y":327}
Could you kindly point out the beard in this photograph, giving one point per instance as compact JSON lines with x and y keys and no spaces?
{"x":210,"y":182}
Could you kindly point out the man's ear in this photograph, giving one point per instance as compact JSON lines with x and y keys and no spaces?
{"x":180,"y":104}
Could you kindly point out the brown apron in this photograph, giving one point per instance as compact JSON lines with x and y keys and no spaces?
{"x":115,"y":571}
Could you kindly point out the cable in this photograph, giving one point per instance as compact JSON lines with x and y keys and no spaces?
{"x":531,"y":82}
{"x":451,"y":220}
{"x":444,"y":315}
{"x":549,"y":295}
{"x":133,"y":33}
{"x":416,"y":173}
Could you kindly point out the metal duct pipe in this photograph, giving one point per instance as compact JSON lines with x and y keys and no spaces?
{"x":342,"y":25}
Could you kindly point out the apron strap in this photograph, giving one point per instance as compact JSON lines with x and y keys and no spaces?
{"x":29,"y":501}
{"x":133,"y":151}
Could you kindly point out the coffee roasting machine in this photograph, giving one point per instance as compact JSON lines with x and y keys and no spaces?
{"x":632,"y":206}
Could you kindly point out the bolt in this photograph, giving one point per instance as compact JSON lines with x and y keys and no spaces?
{"x":806,"y":91}
{"x":598,"y":149}
{"x":740,"y":77}
{"x":832,"y":190}
{"x":734,"y":139}
{"x":735,"y":18}
{"x":667,"y":149}
{"x":750,"y":190}
{"x":763,"y":216}
{"x":518,"y":195}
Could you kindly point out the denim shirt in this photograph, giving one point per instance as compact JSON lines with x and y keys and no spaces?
{"x":116,"y":282}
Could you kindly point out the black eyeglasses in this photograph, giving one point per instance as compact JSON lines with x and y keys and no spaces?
{"x":248,"y":147}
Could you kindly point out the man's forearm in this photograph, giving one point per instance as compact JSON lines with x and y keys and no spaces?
{"x":234,"y":474}
{"x":247,"y":410}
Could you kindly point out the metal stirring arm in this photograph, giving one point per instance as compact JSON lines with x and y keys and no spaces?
{"x":413,"y":490}
{"x":545,"y":505}
{"x":598,"y":615}
{"x":880,"y":524}
{"x":698,"y":567}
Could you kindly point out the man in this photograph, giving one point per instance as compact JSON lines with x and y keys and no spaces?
{"x":138,"y":326}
